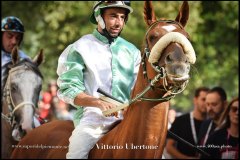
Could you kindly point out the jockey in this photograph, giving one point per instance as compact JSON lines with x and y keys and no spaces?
{"x":99,"y":60}
{"x":12,"y":35}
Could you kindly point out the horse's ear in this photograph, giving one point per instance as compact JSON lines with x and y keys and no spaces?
{"x":183,"y":14}
{"x":39,"y":58}
{"x":15,"y":55}
{"x":149,"y":14}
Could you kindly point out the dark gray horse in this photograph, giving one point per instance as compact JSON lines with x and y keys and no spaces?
{"x":19,"y":101}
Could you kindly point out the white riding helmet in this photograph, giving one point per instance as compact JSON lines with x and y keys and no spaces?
{"x":96,"y":14}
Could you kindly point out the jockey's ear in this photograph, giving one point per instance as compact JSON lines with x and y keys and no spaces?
{"x":39,"y":59}
{"x":15,"y":55}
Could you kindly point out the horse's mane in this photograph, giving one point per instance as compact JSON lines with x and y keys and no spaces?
{"x":30,"y":64}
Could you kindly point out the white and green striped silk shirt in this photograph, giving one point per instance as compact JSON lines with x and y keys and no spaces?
{"x":91,"y":63}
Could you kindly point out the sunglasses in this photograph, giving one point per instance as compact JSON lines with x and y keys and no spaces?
{"x":234,"y":108}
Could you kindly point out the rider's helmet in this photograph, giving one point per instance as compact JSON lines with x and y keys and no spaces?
{"x":96,"y":16}
{"x":12,"y":24}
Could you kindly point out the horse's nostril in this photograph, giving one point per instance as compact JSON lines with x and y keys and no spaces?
{"x":168,"y":59}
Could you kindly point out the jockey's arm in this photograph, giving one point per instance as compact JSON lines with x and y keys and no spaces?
{"x":83,"y":99}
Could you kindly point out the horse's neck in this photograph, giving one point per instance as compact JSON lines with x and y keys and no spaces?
{"x":145,"y":113}
{"x":144,"y":123}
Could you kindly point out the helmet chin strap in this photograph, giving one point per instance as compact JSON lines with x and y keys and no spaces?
{"x":100,"y":21}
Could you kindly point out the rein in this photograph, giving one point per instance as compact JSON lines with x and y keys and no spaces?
{"x":139,"y":96}
{"x":7,"y":93}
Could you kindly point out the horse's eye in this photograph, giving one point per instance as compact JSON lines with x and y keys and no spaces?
{"x":152,"y":38}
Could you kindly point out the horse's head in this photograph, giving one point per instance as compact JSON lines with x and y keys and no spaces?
{"x":22,"y":91}
{"x":168,"y":49}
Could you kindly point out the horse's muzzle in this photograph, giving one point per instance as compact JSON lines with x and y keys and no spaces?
{"x":178,"y":72}
{"x":179,"y":79}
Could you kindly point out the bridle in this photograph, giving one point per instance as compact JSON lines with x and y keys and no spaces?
{"x":12,"y":107}
{"x":161,"y":73}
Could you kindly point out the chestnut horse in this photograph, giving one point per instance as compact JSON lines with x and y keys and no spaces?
{"x":20,"y":97}
{"x":141,"y":134}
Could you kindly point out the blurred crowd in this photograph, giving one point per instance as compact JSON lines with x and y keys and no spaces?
{"x":211,"y":128}
{"x":50,"y":107}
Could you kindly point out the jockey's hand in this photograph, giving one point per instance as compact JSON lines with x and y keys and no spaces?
{"x":113,"y":114}
{"x":105,"y":105}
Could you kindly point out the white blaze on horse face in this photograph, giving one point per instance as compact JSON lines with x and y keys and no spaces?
{"x":26,"y":122}
{"x":27,"y":87}
{"x":169,"y":28}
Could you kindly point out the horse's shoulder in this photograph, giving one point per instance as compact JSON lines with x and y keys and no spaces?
{"x":54,"y":126}
{"x":67,"y":124}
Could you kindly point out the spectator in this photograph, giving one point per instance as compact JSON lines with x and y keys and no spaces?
{"x":216,"y":101}
{"x":171,"y":119}
{"x":50,"y":105}
{"x":224,"y":143}
{"x":62,"y":111}
{"x":187,"y":127}
{"x":44,"y":106}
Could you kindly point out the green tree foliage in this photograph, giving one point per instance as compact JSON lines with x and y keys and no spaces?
{"x":212,"y":26}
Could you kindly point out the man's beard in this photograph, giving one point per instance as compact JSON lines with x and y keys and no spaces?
{"x":114,"y":35}
{"x":214,"y":116}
